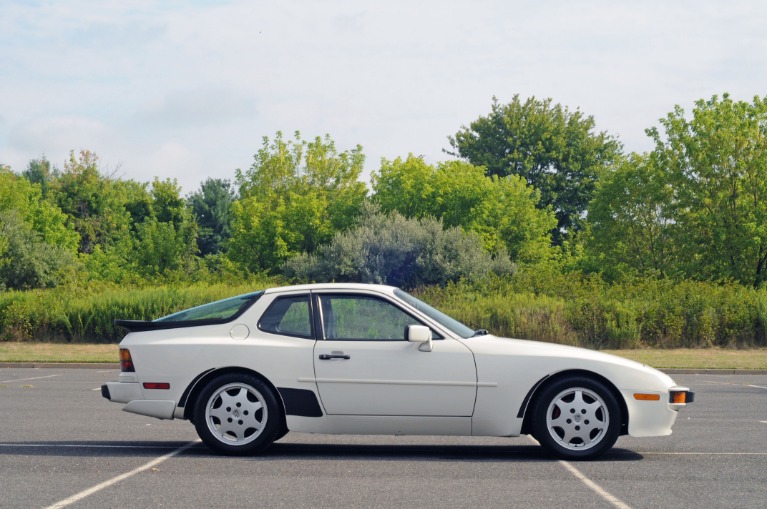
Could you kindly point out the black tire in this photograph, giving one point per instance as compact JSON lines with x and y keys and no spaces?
{"x":237,"y":414}
{"x":576,"y":418}
{"x":280,"y":434}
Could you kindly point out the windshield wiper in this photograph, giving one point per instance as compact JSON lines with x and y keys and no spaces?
{"x":480,"y":332}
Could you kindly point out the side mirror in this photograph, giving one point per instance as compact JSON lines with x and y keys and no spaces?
{"x":419,"y":334}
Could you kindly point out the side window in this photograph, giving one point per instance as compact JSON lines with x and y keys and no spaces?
{"x":349,"y":317}
{"x":288,"y":316}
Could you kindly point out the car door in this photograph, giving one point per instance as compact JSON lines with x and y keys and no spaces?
{"x":364,"y":365}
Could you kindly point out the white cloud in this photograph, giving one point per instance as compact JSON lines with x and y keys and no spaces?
{"x":58,"y":134}
{"x":197,"y":107}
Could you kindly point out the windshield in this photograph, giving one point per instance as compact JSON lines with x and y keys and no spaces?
{"x":438,"y":316}
{"x":219,"y":310}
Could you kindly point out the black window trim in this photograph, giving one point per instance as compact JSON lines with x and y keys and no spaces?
{"x":312,"y":335}
{"x":319,"y":319}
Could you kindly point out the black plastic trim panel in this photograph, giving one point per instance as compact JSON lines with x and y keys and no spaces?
{"x":188,"y":390}
{"x":300,"y":402}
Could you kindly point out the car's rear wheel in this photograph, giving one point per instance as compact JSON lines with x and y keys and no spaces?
{"x":576,"y":418}
{"x":237,"y":414}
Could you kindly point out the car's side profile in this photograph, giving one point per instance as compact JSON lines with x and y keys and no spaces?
{"x":371,"y":359}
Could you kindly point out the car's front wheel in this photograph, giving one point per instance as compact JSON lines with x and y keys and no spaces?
{"x":576,"y":418}
{"x":237,"y":414}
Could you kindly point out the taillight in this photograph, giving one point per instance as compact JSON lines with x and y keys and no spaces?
{"x":156,"y":385}
{"x":126,"y":362}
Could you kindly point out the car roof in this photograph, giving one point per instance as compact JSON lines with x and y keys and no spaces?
{"x":332,"y":286}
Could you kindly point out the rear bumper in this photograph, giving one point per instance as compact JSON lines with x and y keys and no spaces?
{"x":122,"y":392}
{"x":131,"y":394}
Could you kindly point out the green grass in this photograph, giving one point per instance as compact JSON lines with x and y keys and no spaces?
{"x":708,"y":358}
{"x":698,"y":358}
{"x":58,"y":352}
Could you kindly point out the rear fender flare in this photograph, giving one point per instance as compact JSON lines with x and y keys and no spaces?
{"x":190,"y":395}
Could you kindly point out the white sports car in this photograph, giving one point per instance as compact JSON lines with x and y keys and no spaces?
{"x":370,"y":359}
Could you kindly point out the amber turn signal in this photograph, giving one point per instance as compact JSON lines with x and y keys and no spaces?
{"x":678,"y":397}
{"x":646,"y":397}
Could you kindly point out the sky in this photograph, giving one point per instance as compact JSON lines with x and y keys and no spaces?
{"x":187,"y":90}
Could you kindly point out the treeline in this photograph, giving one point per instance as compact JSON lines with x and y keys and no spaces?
{"x":530,"y":188}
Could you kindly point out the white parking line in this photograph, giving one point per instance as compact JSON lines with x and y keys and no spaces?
{"x":90,"y":491}
{"x":25,"y":379}
{"x":613,"y":500}
{"x":606,"y":496}
{"x":656,"y":453}
{"x":709,"y":382}
{"x":85,"y":446}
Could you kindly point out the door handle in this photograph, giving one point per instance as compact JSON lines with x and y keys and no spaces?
{"x":334,"y":355}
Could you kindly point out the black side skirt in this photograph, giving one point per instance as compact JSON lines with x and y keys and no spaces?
{"x":300,"y":402}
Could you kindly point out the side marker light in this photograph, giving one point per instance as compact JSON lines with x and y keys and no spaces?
{"x":646,"y":397}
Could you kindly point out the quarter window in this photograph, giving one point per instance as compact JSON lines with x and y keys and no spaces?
{"x":288,"y":316}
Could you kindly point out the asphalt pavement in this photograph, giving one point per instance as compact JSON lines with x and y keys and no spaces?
{"x":63,"y":445}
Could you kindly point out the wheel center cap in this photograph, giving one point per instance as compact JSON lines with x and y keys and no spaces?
{"x":236,"y":413}
{"x":577,"y":418}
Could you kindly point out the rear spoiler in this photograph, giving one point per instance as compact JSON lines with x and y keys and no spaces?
{"x":144,"y":325}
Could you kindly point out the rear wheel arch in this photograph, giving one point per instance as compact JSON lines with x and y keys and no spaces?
{"x":199,"y":384}
{"x":549,"y":380}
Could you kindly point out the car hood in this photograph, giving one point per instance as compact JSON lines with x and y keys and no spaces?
{"x":543,"y":359}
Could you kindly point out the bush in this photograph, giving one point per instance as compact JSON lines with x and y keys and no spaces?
{"x":489,"y":305}
{"x":64,"y":315}
{"x":570,"y":309}
{"x":532,"y":304}
{"x":390,"y":249}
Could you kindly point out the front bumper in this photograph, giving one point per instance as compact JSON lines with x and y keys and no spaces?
{"x":654,"y":418}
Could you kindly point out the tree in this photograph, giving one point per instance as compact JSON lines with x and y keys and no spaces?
{"x":212,"y":208}
{"x":26,"y":261}
{"x":39,"y":171}
{"x":716,"y":163}
{"x":501,"y":210}
{"x":90,"y":200}
{"x":391,"y":249}
{"x":166,"y":240}
{"x":40,"y":215}
{"x":294,"y":198}
{"x":135,"y":199}
{"x":553,"y":149}
{"x":632,"y":225}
